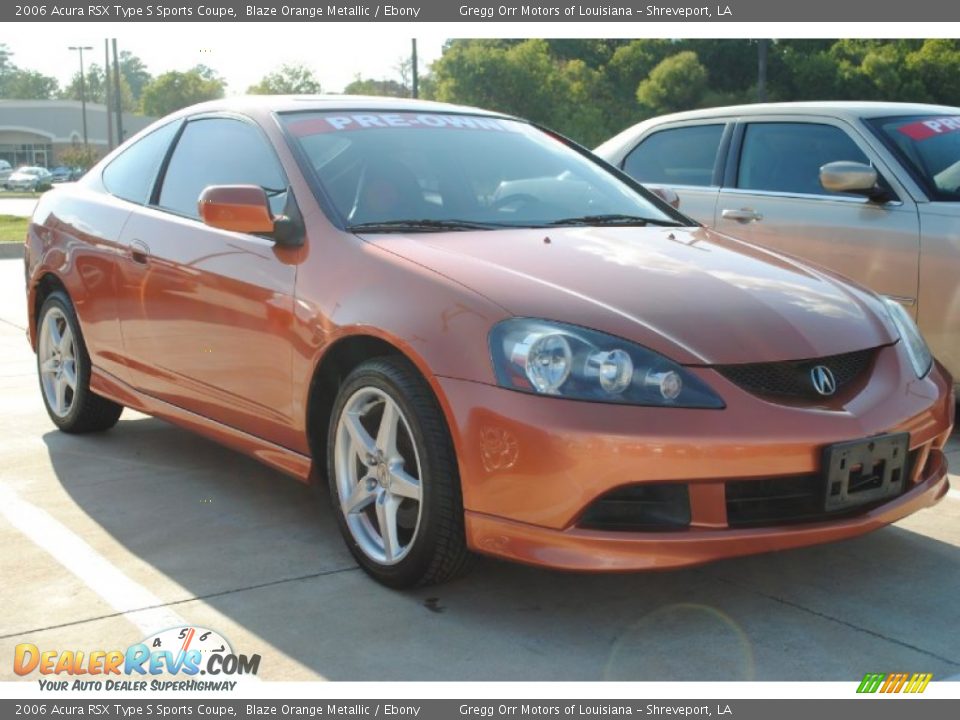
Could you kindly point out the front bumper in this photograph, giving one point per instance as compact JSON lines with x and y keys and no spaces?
{"x":530,"y":466}
{"x":576,"y":549}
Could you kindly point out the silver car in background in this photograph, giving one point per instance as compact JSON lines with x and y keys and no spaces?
{"x":30,"y":178}
{"x":869,"y":190}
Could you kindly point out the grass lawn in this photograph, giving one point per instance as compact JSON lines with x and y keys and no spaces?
{"x":13,"y":228}
{"x":19,"y":194}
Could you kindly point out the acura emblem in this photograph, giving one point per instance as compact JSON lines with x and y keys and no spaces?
{"x":823,"y":380}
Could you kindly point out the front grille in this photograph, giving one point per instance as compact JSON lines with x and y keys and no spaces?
{"x":772,"y":501}
{"x":647,"y":506}
{"x":791,"y":379}
{"x":786,"y":500}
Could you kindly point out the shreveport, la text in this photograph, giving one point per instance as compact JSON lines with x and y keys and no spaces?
{"x":524,"y":710}
{"x":580,"y":10}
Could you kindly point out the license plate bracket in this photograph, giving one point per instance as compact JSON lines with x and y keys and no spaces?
{"x":859,"y":472}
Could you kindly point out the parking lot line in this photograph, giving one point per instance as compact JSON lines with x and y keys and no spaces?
{"x":137,"y":604}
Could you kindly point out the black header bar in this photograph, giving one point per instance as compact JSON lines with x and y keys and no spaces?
{"x":447,"y":11}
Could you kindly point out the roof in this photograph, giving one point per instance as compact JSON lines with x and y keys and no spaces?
{"x":295,"y":103}
{"x":837,"y":108}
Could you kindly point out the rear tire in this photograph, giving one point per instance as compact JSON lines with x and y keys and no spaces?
{"x":63,"y":367}
{"x":393,"y":477}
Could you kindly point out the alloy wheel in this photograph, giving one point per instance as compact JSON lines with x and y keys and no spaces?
{"x":58,"y":362}
{"x":378,"y":474}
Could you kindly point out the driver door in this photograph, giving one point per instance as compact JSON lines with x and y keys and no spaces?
{"x":207,"y":314}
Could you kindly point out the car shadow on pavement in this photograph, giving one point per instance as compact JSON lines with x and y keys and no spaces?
{"x":257,"y":548}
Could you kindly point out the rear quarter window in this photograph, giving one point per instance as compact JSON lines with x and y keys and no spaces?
{"x":132,"y":173}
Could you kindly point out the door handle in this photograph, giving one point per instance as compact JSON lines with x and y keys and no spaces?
{"x":743,"y":215}
{"x":139,"y":252}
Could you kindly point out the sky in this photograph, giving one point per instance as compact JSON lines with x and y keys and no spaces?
{"x":241,"y":53}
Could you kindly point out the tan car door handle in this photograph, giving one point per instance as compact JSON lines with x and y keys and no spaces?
{"x":743,"y":215}
{"x":139,"y":252}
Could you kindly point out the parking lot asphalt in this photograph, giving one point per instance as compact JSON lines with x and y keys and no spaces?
{"x":109,"y":538}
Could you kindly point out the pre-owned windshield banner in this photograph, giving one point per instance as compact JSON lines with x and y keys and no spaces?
{"x":479,"y":11}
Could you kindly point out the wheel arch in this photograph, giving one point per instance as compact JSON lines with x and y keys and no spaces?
{"x":338,"y":359}
{"x":40,"y":290}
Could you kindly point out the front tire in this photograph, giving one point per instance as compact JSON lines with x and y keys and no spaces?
{"x":393,"y":477}
{"x":63,"y":366}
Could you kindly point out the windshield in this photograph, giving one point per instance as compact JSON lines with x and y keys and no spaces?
{"x":428,"y":172}
{"x":929,"y":146}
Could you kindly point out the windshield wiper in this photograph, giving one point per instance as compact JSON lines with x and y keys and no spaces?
{"x":615,"y":219}
{"x":421,"y":225}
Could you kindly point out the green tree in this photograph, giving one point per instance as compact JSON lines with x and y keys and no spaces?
{"x":630,"y":64}
{"x":175,"y":90}
{"x":77,"y":156}
{"x":677,"y":83}
{"x":589,"y":89}
{"x":23,"y":84}
{"x":936,"y":67}
{"x":519,"y":78}
{"x":387,"y":88}
{"x":6,"y":60}
{"x":523,"y":78}
{"x":288,"y":80}
{"x":135,"y":73}
{"x":95,"y":89}
{"x":28,"y":85}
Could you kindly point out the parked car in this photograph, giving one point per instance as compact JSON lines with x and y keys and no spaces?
{"x":30,"y":178}
{"x":5,"y":171}
{"x":62,"y":174}
{"x":476,"y":338}
{"x":871,"y":190}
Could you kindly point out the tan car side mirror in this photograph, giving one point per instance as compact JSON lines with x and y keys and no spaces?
{"x":846,"y":176}
{"x":669,"y":196}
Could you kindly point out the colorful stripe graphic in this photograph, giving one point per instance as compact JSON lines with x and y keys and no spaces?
{"x":894,"y":682}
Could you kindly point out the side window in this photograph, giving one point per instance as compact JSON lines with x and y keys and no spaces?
{"x":220,"y":151}
{"x":786,"y":157}
{"x":132,"y":173}
{"x":679,"y":156}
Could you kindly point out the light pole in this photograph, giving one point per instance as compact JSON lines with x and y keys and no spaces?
{"x":83,"y":95}
{"x":413,"y":63}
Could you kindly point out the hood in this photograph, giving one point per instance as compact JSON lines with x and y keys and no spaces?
{"x":693,"y":295}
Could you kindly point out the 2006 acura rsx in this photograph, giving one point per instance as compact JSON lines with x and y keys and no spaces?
{"x":480,"y":337}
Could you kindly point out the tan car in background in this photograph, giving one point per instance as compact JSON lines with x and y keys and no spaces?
{"x":870,"y":190}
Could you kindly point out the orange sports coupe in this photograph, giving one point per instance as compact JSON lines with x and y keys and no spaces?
{"x":480,"y":337}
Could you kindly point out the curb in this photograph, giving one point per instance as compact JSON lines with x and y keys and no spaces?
{"x":11,"y":250}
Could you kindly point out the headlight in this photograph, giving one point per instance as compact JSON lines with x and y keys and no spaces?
{"x":550,"y":358}
{"x":917,"y":349}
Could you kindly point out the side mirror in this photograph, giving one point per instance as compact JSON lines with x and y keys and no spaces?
{"x":669,"y":196}
{"x":240,"y":208}
{"x":852,"y":177}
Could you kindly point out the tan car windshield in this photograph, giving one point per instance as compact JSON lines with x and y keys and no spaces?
{"x":929,"y":146}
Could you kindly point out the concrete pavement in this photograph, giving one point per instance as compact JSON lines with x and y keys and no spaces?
{"x":106,"y":538}
{"x":21,"y":207}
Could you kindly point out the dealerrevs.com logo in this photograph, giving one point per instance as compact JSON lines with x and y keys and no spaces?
{"x":187,"y":652}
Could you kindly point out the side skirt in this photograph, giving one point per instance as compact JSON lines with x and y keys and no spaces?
{"x":275,"y":456}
